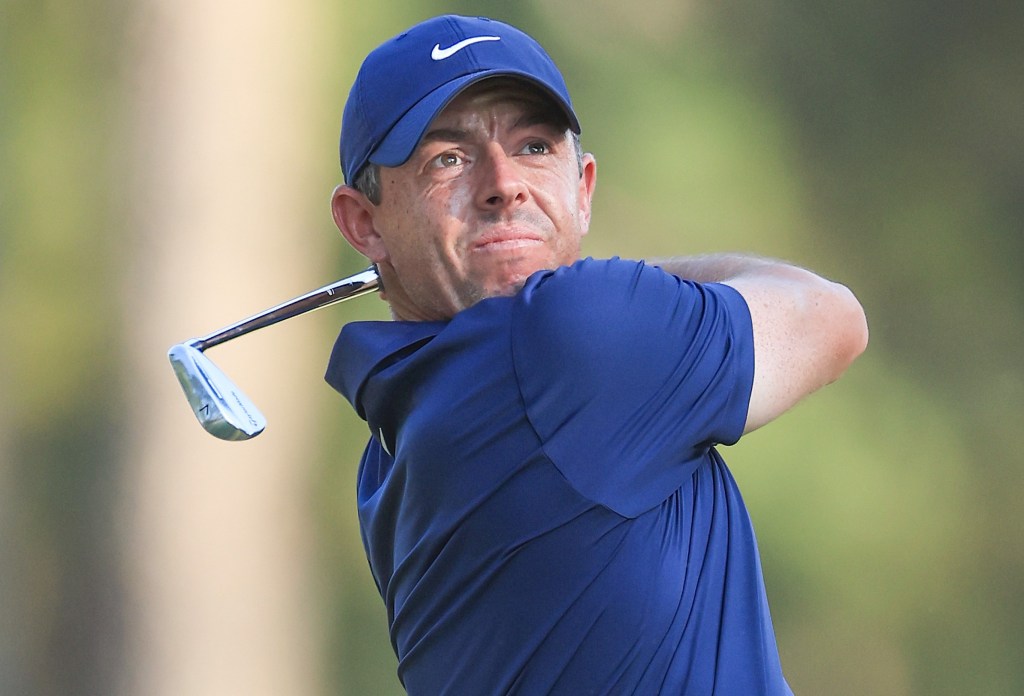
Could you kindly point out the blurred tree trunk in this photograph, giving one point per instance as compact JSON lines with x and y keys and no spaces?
{"x":60,"y":593}
{"x":218,"y":536}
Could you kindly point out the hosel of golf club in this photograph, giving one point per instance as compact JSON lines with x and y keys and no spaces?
{"x":361,"y":283}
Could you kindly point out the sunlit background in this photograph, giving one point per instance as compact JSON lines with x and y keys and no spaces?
{"x":165,"y":168}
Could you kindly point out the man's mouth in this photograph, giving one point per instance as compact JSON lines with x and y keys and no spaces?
{"x":506,"y":240}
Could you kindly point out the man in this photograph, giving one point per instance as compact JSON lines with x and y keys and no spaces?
{"x":541,"y":500}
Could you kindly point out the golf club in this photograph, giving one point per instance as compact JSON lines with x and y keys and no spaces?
{"x":221,"y":407}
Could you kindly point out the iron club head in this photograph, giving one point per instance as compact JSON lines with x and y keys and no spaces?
{"x":222,"y":409}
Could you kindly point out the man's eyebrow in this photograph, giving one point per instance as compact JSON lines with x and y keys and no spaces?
{"x":444,"y":135}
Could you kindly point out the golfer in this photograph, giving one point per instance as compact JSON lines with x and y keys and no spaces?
{"x":542,"y":503}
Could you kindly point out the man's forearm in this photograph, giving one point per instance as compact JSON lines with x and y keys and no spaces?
{"x":713,"y":268}
{"x":728,"y":267}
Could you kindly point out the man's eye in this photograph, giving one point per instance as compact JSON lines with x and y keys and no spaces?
{"x":536,"y":148}
{"x":448,"y":159}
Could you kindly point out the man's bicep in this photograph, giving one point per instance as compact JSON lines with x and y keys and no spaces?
{"x":807,"y":330}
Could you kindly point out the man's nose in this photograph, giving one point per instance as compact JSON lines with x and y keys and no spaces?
{"x":502,"y":184}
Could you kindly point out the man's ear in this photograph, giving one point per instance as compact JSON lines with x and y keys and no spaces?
{"x":353,"y":214}
{"x":587,"y":184}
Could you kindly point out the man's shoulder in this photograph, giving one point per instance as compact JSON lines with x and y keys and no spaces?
{"x":586,"y":273}
{"x":581,"y":290}
{"x":591,"y":295}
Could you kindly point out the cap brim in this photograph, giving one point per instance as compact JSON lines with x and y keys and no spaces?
{"x":401,"y":141}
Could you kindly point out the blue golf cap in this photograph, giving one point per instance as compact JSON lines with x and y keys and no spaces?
{"x":406,"y":81}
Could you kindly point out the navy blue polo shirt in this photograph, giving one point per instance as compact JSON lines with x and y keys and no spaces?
{"x":541,"y":501}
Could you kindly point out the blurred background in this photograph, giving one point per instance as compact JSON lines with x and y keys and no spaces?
{"x":165,"y":169}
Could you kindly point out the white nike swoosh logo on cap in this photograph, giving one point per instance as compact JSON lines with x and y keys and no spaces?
{"x":439,"y":53}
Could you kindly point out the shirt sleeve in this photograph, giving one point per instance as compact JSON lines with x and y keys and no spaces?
{"x":630,"y":375}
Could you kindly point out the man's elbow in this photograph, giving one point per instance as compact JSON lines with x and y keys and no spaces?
{"x":849,"y":328}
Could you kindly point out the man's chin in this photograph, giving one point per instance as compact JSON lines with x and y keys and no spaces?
{"x":513,"y":276}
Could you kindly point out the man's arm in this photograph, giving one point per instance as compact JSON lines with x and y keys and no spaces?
{"x":807,"y":330}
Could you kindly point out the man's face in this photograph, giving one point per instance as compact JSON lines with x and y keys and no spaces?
{"x":492,"y":194}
